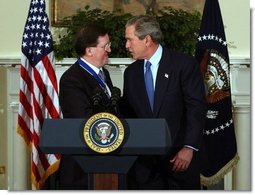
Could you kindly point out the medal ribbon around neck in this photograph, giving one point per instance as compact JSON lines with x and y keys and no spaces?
{"x":91,"y":71}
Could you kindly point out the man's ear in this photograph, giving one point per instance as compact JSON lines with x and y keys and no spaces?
{"x":148,"y":40}
{"x":89,"y":51}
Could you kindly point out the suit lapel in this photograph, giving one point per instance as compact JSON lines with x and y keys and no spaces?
{"x":163,"y":77}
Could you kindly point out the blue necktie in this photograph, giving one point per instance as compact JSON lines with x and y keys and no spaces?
{"x":149,"y":83}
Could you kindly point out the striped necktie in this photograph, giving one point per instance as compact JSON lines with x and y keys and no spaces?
{"x":149,"y":83}
{"x":101,"y":75}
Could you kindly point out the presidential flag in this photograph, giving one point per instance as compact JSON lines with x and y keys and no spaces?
{"x":219,"y":132}
{"x":38,"y":93}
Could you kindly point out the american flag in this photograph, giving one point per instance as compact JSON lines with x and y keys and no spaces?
{"x":38,"y":94}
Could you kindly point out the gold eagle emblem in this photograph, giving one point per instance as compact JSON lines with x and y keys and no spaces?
{"x":104,"y":131}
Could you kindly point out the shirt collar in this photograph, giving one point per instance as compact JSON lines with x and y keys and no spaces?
{"x":155,"y":58}
{"x":91,"y":66}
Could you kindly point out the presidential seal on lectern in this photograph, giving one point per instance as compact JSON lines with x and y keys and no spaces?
{"x":103,"y":132}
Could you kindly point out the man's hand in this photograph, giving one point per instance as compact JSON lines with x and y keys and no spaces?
{"x":182,"y":159}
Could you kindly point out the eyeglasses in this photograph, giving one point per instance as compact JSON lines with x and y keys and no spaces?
{"x":106,"y":46}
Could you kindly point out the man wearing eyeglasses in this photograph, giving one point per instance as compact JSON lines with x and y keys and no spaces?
{"x":77,"y":88}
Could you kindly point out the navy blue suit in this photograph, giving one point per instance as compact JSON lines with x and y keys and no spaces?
{"x":179,"y":97}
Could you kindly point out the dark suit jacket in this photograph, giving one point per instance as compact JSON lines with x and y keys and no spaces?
{"x":77,"y":88}
{"x":179,"y":97}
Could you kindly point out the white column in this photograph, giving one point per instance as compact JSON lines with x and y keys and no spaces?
{"x":18,"y":156}
{"x":240,"y":84}
{"x":242,"y":172}
{"x":19,"y":171}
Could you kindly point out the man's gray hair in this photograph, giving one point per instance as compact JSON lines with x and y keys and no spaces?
{"x":146,"y":25}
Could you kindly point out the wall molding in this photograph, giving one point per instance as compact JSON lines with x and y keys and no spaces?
{"x":113,"y":61}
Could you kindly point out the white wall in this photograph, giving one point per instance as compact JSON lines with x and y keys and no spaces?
{"x":13,"y":14}
{"x":236,"y":18}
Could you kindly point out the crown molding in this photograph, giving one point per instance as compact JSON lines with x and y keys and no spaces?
{"x":112,"y":61}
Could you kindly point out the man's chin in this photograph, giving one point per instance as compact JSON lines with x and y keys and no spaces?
{"x":134,"y":57}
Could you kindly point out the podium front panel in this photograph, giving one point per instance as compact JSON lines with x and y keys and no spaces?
{"x":142,"y":137}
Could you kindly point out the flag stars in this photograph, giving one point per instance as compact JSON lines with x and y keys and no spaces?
{"x":34,"y":2}
{"x":38,"y":51}
{"x":36,"y":37}
{"x":48,"y":36}
{"x":35,"y":10}
{"x":24,"y":44}
{"x":27,"y":27}
{"x":211,"y":37}
{"x":40,"y":43}
{"x":25,"y":36}
{"x":218,"y":129}
{"x":42,"y":35}
{"x":39,"y":18}
{"x":34,"y":18}
{"x":44,"y":19}
{"x":46,"y":45}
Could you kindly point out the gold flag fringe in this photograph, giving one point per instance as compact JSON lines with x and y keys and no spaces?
{"x":209,"y":181}
{"x":51,"y":169}
{"x":39,"y":184}
{"x":26,"y":139}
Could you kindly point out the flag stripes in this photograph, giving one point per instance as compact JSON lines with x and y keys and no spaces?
{"x":35,"y":105}
{"x":38,"y":94}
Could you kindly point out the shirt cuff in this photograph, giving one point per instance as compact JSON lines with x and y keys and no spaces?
{"x":191,"y":147}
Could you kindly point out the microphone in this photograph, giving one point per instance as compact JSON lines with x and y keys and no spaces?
{"x":97,"y":97}
{"x":115,"y":97}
